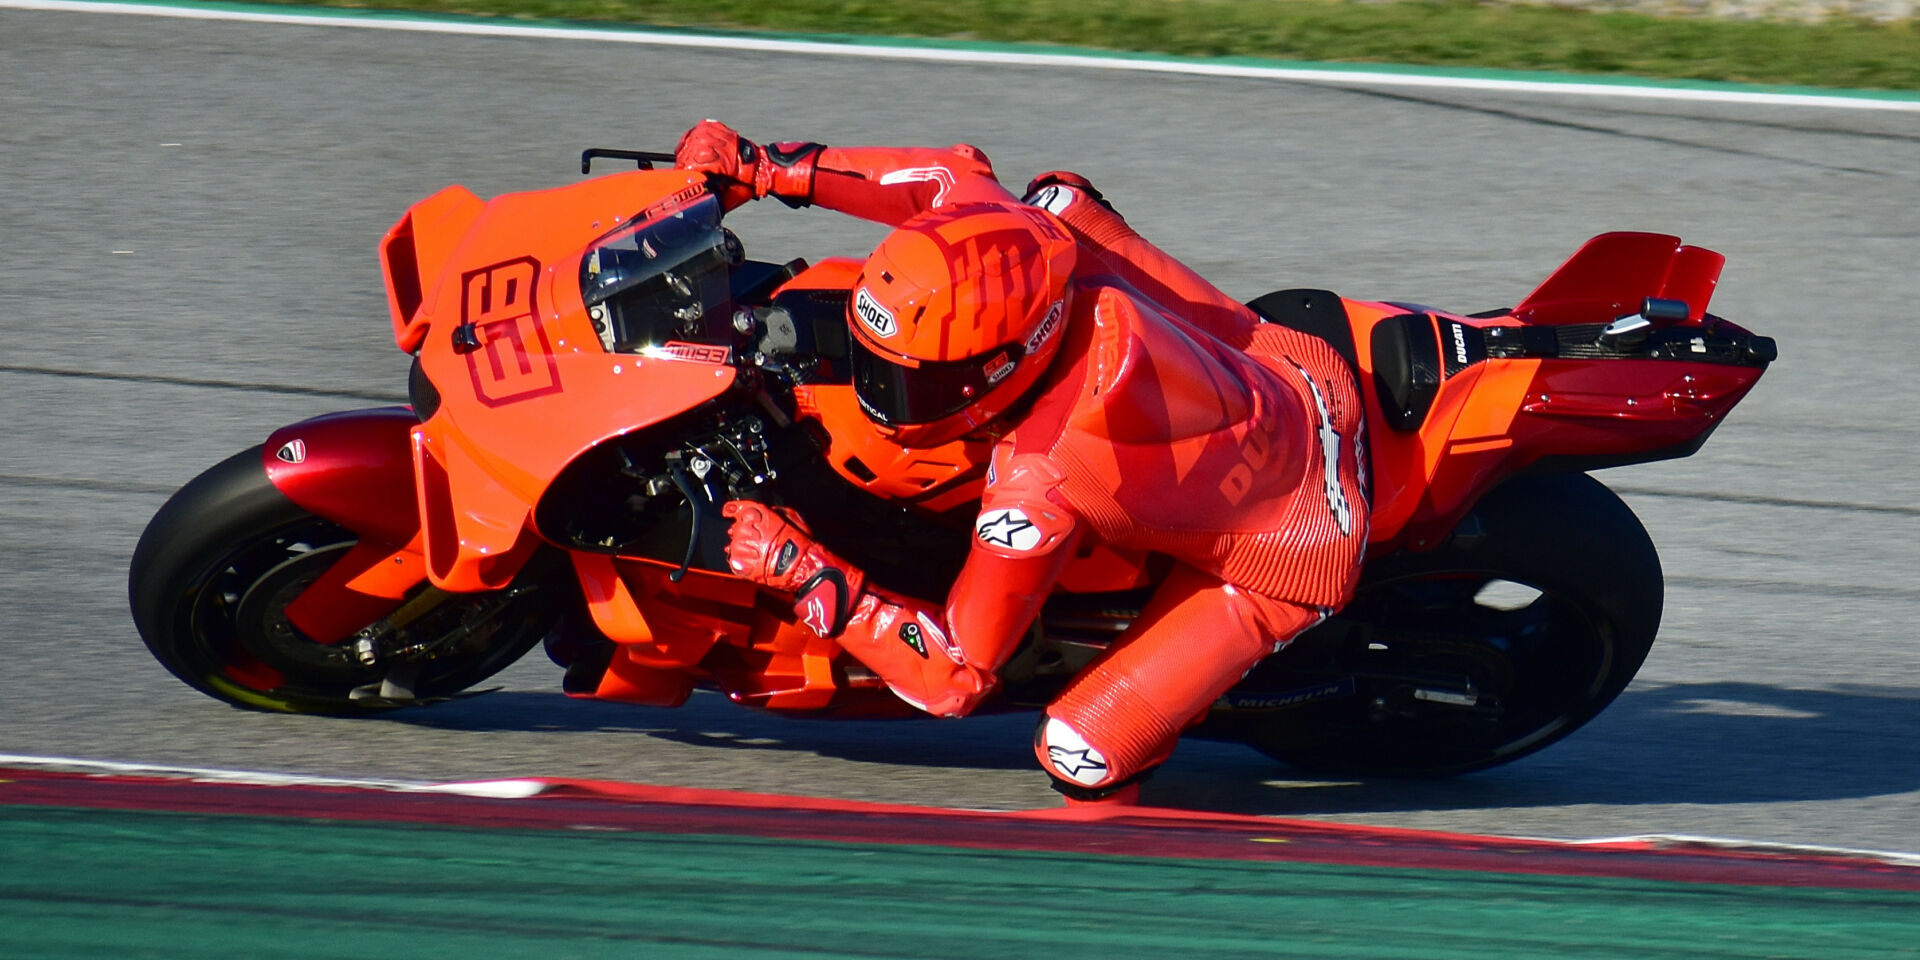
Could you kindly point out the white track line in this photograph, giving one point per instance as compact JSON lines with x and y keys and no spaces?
{"x":520,"y":789}
{"x":494,"y":789}
{"x":1754,"y":846}
{"x":1146,"y":64}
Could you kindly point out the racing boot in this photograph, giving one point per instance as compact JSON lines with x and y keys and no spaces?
{"x":1123,"y":714}
{"x":1079,"y":770}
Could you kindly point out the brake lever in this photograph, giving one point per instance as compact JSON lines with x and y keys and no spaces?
{"x":693,"y":484}
{"x":696,"y":497}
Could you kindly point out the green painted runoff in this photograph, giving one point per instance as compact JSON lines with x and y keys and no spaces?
{"x":93,"y":883}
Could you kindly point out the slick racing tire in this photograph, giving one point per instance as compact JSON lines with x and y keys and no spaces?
{"x":1532,"y":618}
{"x":213,"y":574}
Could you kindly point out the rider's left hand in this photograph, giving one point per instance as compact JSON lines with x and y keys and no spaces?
{"x":731,"y":162}
{"x":770,"y":546}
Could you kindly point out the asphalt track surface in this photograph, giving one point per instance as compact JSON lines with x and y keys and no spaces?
{"x":189,"y":212}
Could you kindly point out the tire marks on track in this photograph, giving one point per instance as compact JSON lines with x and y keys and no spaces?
{"x":273,"y":388}
{"x":1757,"y":501}
{"x":1641,"y":136}
{"x":92,"y":486}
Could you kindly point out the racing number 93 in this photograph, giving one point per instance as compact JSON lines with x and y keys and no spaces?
{"x":514,"y":360}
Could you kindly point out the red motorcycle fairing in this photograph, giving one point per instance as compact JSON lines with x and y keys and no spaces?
{"x":354,"y":468}
{"x":1609,"y":274}
{"x":1496,"y":412}
{"x":413,"y":253}
{"x":500,"y":277}
{"x":526,"y":382}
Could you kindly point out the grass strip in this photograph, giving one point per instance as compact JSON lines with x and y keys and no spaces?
{"x":1444,"y":33}
{"x":125,"y":884}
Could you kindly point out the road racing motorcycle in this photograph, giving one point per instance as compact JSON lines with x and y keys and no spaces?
{"x":598,"y":367}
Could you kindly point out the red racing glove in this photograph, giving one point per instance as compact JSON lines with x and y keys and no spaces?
{"x":746,"y":170}
{"x":905,"y":641}
{"x":770,"y":546}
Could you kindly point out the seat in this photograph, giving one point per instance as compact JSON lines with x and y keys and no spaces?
{"x":1404,"y":349}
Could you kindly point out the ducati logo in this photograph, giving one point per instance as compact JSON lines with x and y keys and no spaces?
{"x":293,"y":451}
{"x":875,"y":316}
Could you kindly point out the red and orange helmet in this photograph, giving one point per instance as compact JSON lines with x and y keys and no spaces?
{"x":956,"y":315}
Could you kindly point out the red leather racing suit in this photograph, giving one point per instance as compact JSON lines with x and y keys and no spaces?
{"x":1173,"y":421}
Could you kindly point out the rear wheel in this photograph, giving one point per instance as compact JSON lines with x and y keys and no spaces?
{"x":1521,"y":629}
{"x":216,"y":568}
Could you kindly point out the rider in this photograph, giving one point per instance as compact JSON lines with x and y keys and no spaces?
{"x":1132,"y":404}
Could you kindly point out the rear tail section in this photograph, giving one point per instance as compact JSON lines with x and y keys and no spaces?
{"x":1613,"y":272}
{"x":1598,"y":367}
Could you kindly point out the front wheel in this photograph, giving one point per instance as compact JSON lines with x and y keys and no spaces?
{"x":217,"y":566}
{"x":1521,"y":629}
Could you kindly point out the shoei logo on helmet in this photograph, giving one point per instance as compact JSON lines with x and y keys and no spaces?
{"x":876,"y":317}
{"x":998,"y":368}
{"x":1047,"y":327}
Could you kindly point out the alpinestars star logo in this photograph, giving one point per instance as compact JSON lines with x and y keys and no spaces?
{"x":911,"y":635}
{"x":1072,"y":762}
{"x":1007,"y":528}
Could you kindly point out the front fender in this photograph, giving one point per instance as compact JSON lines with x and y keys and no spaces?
{"x":354,"y":468}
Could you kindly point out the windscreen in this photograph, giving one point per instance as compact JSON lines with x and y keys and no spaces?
{"x":662,"y":280}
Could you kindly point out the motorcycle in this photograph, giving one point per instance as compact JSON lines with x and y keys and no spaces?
{"x":598,"y":367}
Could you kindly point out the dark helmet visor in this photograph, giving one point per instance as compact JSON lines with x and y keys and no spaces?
{"x":898,"y":395}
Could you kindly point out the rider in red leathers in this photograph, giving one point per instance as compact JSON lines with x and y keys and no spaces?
{"x":1132,"y":403}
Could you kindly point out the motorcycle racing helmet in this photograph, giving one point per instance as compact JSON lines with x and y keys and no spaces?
{"x":955,"y":316}
{"x":663,"y":280}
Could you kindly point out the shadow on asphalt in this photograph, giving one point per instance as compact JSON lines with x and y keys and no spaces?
{"x":994,"y":742}
{"x":1713,"y":743}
